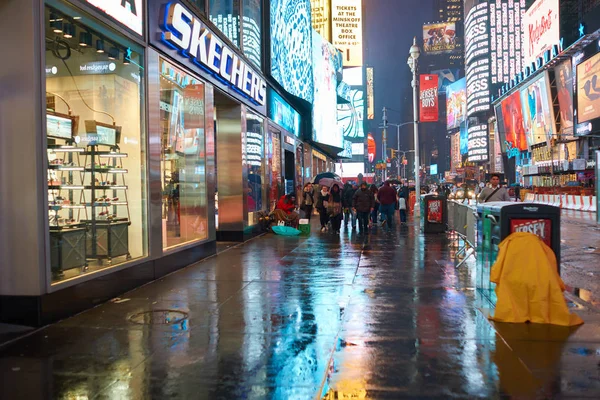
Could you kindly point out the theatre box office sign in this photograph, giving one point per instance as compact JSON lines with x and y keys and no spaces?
{"x":180,"y":33}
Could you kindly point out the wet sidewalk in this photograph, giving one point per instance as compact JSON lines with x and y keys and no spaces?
{"x":332,"y":317}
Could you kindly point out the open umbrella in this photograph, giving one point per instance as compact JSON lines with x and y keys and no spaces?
{"x":394,"y":182}
{"x":329,"y":182}
{"x":330,"y":175}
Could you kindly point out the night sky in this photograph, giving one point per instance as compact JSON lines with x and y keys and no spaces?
{"x":390,"y":26}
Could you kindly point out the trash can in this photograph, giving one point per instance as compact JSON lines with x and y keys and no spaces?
{"x":434,"y":213}
{"x":304,"y":227}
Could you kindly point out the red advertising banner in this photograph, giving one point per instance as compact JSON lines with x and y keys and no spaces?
{"x":434,"y":211}
{"x":428,"y":98}
{"x":371,"y":147}
{"x":539,"y":227}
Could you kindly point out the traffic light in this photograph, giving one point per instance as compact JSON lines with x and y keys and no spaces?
{"x":393,"y":152}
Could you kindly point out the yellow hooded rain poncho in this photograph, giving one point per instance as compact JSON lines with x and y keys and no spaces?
{"x":528,"y":285}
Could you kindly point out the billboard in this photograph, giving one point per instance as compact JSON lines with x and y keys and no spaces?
{"x":346,"y":30}
{"x":370,"y":94}
{"x":588,"y":94}
{"x":321,"y":22}
{"x":428,"y":103}
{"x":325,"y":127}
{"x":291,"y":55}
{"x":283,"y":114}
{"x":225,"y":14}
{"x":446,"y":77}
{"x":541,"y":27}
{"x":464,"y":139}
{"x":128,"y":12}
{"x":477,"y":59}
{"x":477,"y":143}
{"x":350,"y":116}
{"x":455,"y":155}
{"x":563,"y":73}
{"x":252,"y":30}
{"x":538,"y":113}
{"x":510,"y":123}
{"x":456,"y":103}
{"x":371,"y":148}
{"x":439,"y":38}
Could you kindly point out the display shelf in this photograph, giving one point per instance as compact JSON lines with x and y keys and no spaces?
{"x":66,"y":168}
{"x":58,"y":207}
{"x":66,"y":187}
{"x":104,"y":170}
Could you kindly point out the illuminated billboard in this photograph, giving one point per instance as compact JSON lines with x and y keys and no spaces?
{"x":456,"y":103}
{"x":291,"y":49}
{"x":370,"y":94}
{"x":225,"y":14}
{"x":477,"y":59}
{"x":346,"y":30}
{"x":321,"y":21}
{"x":252,"y":30}
{"x":563,"y":73}
{"x":439,"y":38}
{"x":350,"y":116}
{"x":588,"y":95}
{"x":541,"y":27}
{"x":538,"y":113}
{"x":477,"y":143}
{"x":325,"y":127}
{"x":509,"y":116}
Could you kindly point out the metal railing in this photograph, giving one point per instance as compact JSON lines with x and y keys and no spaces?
{"x":462,"y":220}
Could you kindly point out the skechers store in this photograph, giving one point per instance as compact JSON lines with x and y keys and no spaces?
{"x":113,"y":149}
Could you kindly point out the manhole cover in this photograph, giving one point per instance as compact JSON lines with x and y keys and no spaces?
{"x":158,"y":317}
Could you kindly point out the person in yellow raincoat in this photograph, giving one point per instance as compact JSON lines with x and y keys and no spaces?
{"x":528,"y":285}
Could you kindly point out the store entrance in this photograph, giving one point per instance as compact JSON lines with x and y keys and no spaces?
{"x":229,"y":221}
{"x":289,"y":171}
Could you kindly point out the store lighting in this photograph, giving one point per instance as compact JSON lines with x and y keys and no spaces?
{"x":68,"y":149}
{"x":57,"y":26}
{"x":99,"y":46}
{"x":69,"y":31}
{"x":113,"y":155}
{"x":117,"y":171}
{"x":85,"y":39}
{"x":113,"y":53}
{"x":115,"y":187}
{"x":76,"y":17}
{"x":70,"y":168}
{"x":72,"y":187}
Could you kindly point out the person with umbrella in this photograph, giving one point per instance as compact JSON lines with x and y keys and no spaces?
{"x":321,"y":206}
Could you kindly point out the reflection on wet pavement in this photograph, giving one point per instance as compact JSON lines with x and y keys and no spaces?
{"x":386,"y":316}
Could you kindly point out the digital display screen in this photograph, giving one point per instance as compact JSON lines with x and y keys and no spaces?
{"x":283,"y":114}
{"x":251,"y":30}
{"x":477,"y":143}
{"x":347,"y":30}
{"x":325,"y":127}
{"x":291,"y":55}
{"x":439,"y":38}
{"x":512,"y":128}
{"x":226,"y":16}
{"x":464,"y":139}
{"x":538,"y":113}
{"x":433,"y":169}
{"x":456,"y":103}
{"x":107,"y":136}
{"x":563,"y":73}
{"x":59,"y":127}
{"x":350,"y":116}
{"x":588,"y":89}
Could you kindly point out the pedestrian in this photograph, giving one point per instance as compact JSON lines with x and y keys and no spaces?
{"x":334,"y":209}
{"x":375,"y":210}
{"x":402,"y":208}
{"x":363,"y":203}
{"x":495,"y":192}
{"x":349,"y":214}
{"x":387,"y":200}
{"x":307,"y":202}
{"x":322,"y":204}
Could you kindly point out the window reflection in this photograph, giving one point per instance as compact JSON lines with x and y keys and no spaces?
{"x":255,"y":165}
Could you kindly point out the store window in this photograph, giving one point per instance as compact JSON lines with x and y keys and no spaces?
{"x":200,"y":4}
{"x":252,"y":30}
{"x":183,"y":159}
{"x":225,"y":14}
{"x":96,"y":144}
{"x":255,"y":167}
{"x":274,"y":167}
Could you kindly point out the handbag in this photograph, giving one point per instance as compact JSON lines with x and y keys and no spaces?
{"x":335,"y":209}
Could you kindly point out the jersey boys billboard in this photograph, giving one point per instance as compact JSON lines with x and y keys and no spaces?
{"x":429,"y":98}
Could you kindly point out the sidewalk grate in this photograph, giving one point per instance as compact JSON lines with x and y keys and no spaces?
{"x":158,"y":317}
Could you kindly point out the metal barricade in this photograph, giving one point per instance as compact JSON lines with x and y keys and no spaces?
{"x":462,"y":220}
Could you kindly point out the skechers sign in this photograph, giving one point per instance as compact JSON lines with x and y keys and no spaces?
{"x":185,"y":32}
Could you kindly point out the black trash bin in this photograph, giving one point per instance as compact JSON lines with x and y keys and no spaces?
{"x":435,"y":214}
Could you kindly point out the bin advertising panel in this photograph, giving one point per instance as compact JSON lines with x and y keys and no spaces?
{"x":434,"y":211}
{"x":539,"y":227}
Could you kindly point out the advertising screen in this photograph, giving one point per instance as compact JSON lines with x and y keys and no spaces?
{"x":225,"y":14}
{"x":455,"y":151}
{"x":346,"y":30}
{"x":464,"y":139}
{"x":291,"y":54}
{"x":321,"y":21}
{"x":456,"y":103}
{"x":325,"y":127}
{"x":512,"y":123}
{"x":370,"y":94}
{"x":506,"y":45}
{"x":538,"y":113}
{"x":478,"y":143}
{"x":371,"y":148}
{"x":563,"y":73}
{"x":439,"y":38}
{"x":252,"y":30}
{"x":541,"y":27}
{"x":283,"y":114}
{"x":59,"y":127}
{"x":433,"y":169}
{"x":428,"y":98}
{"x":350,"y":116}
{"x":588,"y":89}
{"x":128,"y":12}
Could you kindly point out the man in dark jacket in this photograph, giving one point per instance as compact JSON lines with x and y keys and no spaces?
{"x":387,"y":198}
{"x":363,"y":202}
{"x":349,"y":214}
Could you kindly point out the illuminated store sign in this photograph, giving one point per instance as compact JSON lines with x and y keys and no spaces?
{"x":128,"y":12}
{"x":346,"y":30}
{"x":478,"y":143}
{"x":254,"y":148}
{"x":477,"y":59}
{"x":370,"y":94}
{"x":183,"y":31}
{"x":542,"y":29}
{"x":283,"y":114}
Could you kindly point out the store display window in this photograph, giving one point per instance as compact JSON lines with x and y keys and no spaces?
{"x":183,"y":157}
{"x":256,"y":198}
{"x":273,"y":167}
{"x":95,"y":138}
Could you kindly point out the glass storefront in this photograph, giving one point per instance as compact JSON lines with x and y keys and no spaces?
{"x":256,"y":198}
{"x":95,"y":143}
{"x":273,"y":167}
{"x":183,"y":165}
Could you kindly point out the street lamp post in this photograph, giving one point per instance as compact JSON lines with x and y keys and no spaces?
{"x":412,"y":63}
{"x":398,"y":126}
